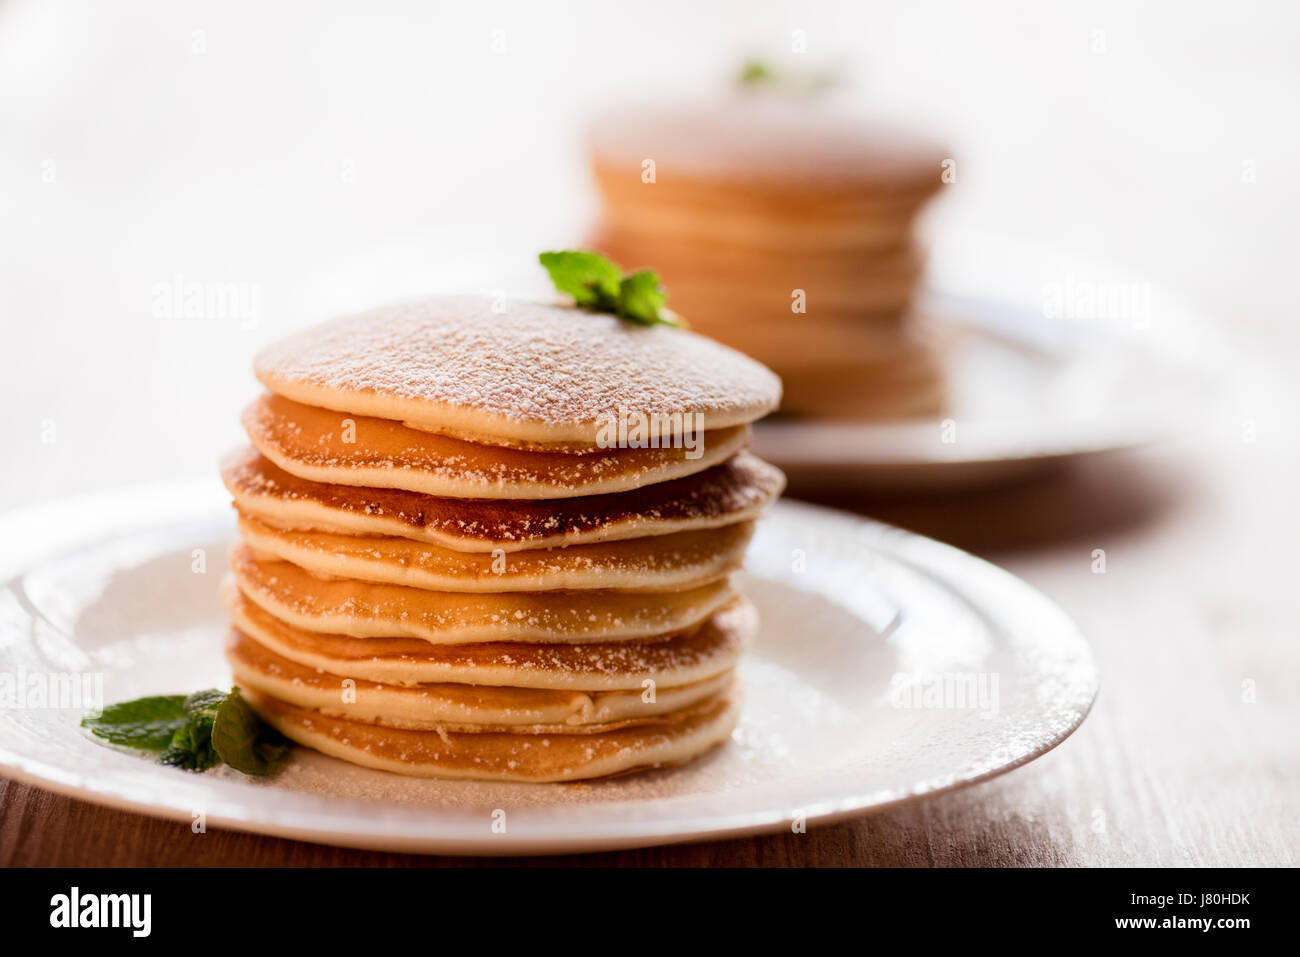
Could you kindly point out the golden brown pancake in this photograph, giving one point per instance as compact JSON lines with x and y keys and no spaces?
{"x":372,"y":610}
{"x":322,"y":446}
{"x":678,"y":660}
{"x":735,"y":491}
{"x":529,"y":372}
{"x":458,"y":706}
{"x":836,"y":336}
{"x":719,"y":220}
{"x":494,"y":756}
{"x":741,"y":285}
{"x":664,"y":563}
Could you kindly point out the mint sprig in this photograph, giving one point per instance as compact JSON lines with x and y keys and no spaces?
{"x":758,"y":74}
{"x":194,"y":732}
{"x":243,"y":740}
{"x":146,"y":724}
{"x":598,"y":284}
{"x":191,"y":745}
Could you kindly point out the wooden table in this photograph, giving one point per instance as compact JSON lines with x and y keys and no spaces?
{"x":1175,"y":765}
{"x":1135,"y":155}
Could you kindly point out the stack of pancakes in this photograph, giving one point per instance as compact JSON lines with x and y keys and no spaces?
{"x":449,"y":564}
{"x":744,"y":205}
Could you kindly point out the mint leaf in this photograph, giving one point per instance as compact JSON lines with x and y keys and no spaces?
{"x":191,"y":745}
{"x":756,"y":74}
{"x":204,"y":703}
{"x":187,"y":728}
{"x":641,"y":298}
{"x":591,"y":279}
{"x":146,"y":724}
{"x":191,"y":748}
{"x":242,"y":740}
{"x":596,"y":283}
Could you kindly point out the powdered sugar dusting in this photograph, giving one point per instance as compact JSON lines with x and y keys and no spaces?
{"x":536,"y":363}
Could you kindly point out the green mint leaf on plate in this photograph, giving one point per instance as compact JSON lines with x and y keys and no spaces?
{"x":598,"y":284}
{"x":204,"y":702}
{"x":191,"y":746}
{"x":243,"y":740}
{"x":146,"y":724}
{"x":191,"y":749}
{"x":591,"y":279}
{"x":194,"y":732}
{"x":641,"y":298}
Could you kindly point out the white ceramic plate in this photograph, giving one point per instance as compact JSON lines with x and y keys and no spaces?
{"x":845,"y":707}
{"x":1050,"y":358}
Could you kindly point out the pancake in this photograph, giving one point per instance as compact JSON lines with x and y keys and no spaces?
{"x":683,"y":659}
{"x":753,"y":144}
{"x":735,"y":491}
{"x":453,"y":706}
{"x":534,"y":372}
{"x":367,"y":609}
{"x":873,"y":285}
{"x":723,"y":221}
{"x":665,"y":563}
{"x":313,"y":443}
{"x":506,"y":757}
{"x":877,"y":302}
{"x":731,"y":307}
{"x":837,"y":337}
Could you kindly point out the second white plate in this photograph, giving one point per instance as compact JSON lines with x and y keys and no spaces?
{"x":1049,"y":358}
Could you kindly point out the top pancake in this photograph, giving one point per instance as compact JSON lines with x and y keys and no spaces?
{"x":780,"y":142}
{"x":535,"y":373}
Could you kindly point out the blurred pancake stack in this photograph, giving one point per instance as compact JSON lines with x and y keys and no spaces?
{"x":785,"y":229}
{"x":454,"y":562}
